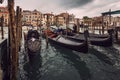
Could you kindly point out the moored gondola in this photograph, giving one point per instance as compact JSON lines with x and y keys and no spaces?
{"x":96,"y":35}
{"x":32,"y":43}
{"x":94,"y":40}
{"x":68,"y":43}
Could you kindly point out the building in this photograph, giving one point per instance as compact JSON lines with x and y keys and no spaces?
{"x":4,"y":12}
{"x":71,"y":18}
{"x":116,"y":21}
{"x":64,"y":18}
{"x":59,"y":20}
{"x":26,"y":17}
{"x":33,"y":18}
{"x":48,"y":18}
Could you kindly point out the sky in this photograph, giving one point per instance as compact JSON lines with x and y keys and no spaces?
{"x":79,"y":8}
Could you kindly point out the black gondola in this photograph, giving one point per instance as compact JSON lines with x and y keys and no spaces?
{"x":96,"y":35}
{"x":69,"y":43}
{"x":95,"y":41}
{"x":32,"y":43}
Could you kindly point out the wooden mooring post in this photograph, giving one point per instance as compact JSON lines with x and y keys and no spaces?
{"x":2,"y":31}
{"x":102,"y":24}
{"x":116,"y":34}
{"x":18,"y":26}
{"x":14,"y":38}
{"x":46,"y":33}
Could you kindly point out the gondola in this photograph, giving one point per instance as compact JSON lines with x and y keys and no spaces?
{"x":99,"y":35}
{"x":96,"y":35}
{"x":95,"y":41}
{"x":63,"y":41}
{"x":32,"y":43}
{"x":82,"y":34}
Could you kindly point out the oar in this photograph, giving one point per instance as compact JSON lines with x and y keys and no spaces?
{"x":46,"y":35}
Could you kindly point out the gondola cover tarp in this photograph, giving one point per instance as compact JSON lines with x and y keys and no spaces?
{"x":34,"y":46}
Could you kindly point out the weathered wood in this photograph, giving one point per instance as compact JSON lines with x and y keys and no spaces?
{"x":102,"y":24}
{"x":17,"y":26}
{"x":13,"y":40}
{"x":78,"y":26}
{"x":46,"y":34}
{"x":2,"y":31}
{"x":20,"y":24}
{"x":116,"y":34}
{"x":4,"y":60}
{"x":1,"y":73}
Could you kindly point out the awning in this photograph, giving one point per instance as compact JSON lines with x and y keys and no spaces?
{"x":111,"y":12}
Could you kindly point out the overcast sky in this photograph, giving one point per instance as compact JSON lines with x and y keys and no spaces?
{"x":79,"y":8}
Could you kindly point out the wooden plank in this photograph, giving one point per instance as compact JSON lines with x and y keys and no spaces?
{"x":1,"y":73}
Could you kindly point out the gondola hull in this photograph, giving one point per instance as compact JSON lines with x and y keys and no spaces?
{"x":32,"y":44}
{"x":106,"y":42}
{"x":94,"y":41}
{"x":70,"y":44}
{"x":95,"y":35}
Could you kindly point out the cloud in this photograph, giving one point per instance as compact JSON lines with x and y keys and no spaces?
{"x":52,"y":5}
{"x":79,"y":8}
{"x":68,"y":4}
{"x":95,"y":8}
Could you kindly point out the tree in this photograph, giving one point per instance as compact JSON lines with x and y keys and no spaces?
{"x":85,"y":17}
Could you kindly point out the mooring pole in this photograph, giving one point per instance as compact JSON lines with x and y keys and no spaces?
{"x":13,"y":40}
{"x":46,"y":33}
{"x":102,"y":24}
{"x":116,"y":34}
{"x":18,"y":26}
{"x":2,"y":22}
{"x":78,"y":26}
{"x":109,"y":18}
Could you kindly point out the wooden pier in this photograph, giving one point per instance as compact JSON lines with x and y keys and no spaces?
{"x":4,"y":59}
{"x":0,"y":74}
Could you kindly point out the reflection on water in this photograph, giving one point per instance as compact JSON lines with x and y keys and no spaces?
{"x":81,"y":67}
{"x":63,"y":64}
{"x":31,"y":68}
{"x":101,"y":56}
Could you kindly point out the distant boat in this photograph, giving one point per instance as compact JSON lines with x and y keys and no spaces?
{"x":32,"y":43}
{"x":63,"y":41}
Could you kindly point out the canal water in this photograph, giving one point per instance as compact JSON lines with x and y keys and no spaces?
{"x":57,"y":63}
